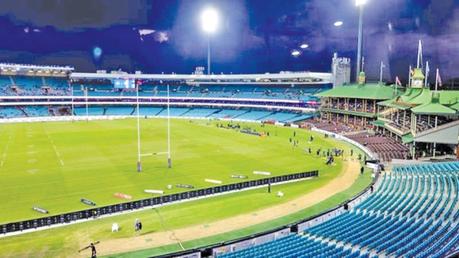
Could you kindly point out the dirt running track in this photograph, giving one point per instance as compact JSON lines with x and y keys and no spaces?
{"x":336,"y":185}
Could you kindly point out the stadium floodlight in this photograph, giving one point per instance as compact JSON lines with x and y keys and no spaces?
{"x":209,"y":20}
{"x":360,"y":4}
{"x":338,"y":23}
{"x":209,"y":24}
{"x":304,"y":46}
{"x":295,"y":53}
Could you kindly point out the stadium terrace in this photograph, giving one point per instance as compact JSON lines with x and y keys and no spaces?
{"x":287,"y":164}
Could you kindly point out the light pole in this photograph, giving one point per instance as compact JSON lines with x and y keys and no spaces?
{"x":360,"y":4}
{"x":209,"y":24}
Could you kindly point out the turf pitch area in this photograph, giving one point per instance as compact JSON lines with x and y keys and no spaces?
{"x":54,"y":165}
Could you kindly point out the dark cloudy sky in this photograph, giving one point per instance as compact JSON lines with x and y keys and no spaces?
{"x":254,"y":36}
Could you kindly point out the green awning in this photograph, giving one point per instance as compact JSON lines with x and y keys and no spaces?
{"x":378,"y":123}
{"x":455,"y":106}
{"x":407,"y":138}
{"x":433,"y":109}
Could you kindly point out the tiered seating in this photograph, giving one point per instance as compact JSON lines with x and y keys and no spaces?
{"x":174,"y":111}
{"x":200,"y":112}
{"x":210,"y":91}
{"x":36,"y":111}
{"x":335,"y":127}
{"x":387,"y":148}
{"x":280,"y":116}
{"x":92,"y":111}
{"x":10,"y":112}
{"x":413,"y":213}
{"x":119,"y":111}
{"x":244,"y":114}
{"x":228,"y":113}
{"x":33,"y":86}
{"x":254,"y":115}
{"x":294,"y":246}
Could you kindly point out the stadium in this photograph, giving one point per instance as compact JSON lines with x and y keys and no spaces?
{"x":114,"y":163}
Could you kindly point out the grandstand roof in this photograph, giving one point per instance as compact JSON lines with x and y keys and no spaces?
{"x":433,"y":109}
{"x":425,"y":101}
{"x":366,"y":91}
{"x":266,"y":78}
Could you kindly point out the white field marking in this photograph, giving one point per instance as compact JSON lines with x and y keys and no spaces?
{"x":33,"y":171}
{"x":5,"y":151}
{"x":58,"y":155}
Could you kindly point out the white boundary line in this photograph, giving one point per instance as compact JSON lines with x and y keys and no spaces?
{"x":5,"y":151}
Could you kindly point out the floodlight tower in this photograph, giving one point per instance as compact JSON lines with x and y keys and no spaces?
{"x":360,"y":4}
{"x":209,"y":24}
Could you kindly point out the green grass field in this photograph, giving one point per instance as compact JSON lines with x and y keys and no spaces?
{"x":54,"y":165}
{"x":98,"y":159}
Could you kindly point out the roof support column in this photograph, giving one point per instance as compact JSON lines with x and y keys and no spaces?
{"x":404,"y":118}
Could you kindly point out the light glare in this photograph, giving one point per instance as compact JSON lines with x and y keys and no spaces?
{"x":295,"y":53}
{"x":338,"y":23}
{"x":209,"y":20}
{"x":360,"y":2}
{"x":304,"y":46}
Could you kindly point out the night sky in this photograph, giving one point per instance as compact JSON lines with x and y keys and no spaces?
{"x":254,"y":35}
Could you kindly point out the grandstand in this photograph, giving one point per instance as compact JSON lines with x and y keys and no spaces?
{"x":411,"y":211}
{"x":416,"y":123}
{"x":120,"y":156}
{"x":284,"y":97}
{"x":414,"y":212}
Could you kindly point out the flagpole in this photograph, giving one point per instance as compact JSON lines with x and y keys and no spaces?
{"x":436,"y":80}
{"x":169,"y":160}
{"x":409,"y":77}
{"x":139,"y":164}
{"x":427,"y":74}
{"x":419,"y":62}
{"x":437,"y":77}
{"x":381,"y":72}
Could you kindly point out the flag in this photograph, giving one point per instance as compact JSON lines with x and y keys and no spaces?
{"x":427,"y":74}
{"x":397,"y":81}
{"x":438,"y":80}
{"x":427,"y":68}
{"x":419,"y":63}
